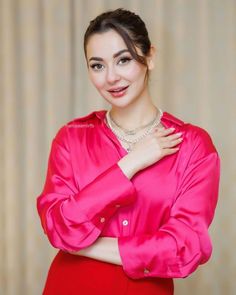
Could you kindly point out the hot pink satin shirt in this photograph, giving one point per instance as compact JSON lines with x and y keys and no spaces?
{"x":160,"y":216}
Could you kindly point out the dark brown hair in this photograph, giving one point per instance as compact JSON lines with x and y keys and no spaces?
{"x":128,"y":25}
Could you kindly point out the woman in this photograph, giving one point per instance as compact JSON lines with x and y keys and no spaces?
{"x":130,"y":192}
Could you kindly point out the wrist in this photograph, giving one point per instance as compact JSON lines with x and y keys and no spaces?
{"x":128,"y":166}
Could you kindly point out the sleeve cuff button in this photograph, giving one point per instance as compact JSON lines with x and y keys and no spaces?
{"x":146,"y":270}
{"x":102,"y":219}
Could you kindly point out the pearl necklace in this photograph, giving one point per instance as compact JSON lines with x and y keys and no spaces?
{"x":131,"y":142}
{"x":134,"y":131}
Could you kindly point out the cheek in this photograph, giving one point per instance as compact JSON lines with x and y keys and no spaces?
{"x":135,"y":72}
{"x":97,"y":80}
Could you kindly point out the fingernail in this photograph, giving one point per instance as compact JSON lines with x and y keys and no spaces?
{"x":179,"y":133}
{"x":172,"y":128}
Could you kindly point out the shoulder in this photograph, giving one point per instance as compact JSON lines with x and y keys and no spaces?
{"x":77,"y":120}
{"x":77,"y":125}
{"x":195,"y":137}
{"x":87,"y":122}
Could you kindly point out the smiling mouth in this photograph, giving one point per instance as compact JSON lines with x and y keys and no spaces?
{"x":118,"y":89}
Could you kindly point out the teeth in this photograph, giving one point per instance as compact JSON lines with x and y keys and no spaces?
{"x":118,"y":90}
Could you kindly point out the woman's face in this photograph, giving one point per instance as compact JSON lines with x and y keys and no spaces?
{"x":110,"y":66}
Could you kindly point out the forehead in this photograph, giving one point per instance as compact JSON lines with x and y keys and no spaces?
{"x":105,"y":44}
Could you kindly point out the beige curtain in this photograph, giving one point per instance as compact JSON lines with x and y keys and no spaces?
{"x":44,"y":83}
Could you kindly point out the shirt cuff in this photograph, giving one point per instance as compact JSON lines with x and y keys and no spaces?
{"x":99,"y":200}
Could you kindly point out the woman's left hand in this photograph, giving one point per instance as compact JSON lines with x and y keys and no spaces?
{"x":104,"y":249}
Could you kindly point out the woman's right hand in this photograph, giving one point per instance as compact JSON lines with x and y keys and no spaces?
{"x":158,"y":144}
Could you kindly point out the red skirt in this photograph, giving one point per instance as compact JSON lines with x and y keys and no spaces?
{"x":79,"y":275}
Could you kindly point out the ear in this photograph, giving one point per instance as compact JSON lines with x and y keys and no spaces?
{"x":151,"y":58}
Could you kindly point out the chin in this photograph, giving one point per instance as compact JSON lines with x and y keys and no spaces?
{"x":122,"y":103}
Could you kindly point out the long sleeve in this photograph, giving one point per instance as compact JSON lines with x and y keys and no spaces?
{"x":182,"y":243}
{"x":73,"y":218}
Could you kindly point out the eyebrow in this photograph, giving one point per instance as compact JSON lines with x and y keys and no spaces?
{"x":114,"y":55}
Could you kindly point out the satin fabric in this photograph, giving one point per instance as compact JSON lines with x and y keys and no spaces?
{"x":160,"y":216}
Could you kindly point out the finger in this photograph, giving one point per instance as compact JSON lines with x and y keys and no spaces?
{"x":169,"y":138}
{"x":170,"y":143}
{"x":170,"y":151}
{"x":161,"y":128}
{"x":174,"y":136}
{"x":164,"y":131}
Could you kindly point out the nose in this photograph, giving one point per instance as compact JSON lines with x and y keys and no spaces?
{"x":112,"y":75}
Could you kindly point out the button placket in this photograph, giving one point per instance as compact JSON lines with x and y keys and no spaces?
{"x":125,"y":222}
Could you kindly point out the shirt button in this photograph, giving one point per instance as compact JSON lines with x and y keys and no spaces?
{"x":102,"y":219}
{"x":125,"y":222}
{"x":146,"y":270}
{"x":117,"y":205}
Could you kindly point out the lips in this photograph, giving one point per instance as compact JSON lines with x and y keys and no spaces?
{"x":118,"y":92}
{"x":118,"y":89}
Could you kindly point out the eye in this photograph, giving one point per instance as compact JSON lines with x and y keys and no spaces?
{"x":125,"y":59}
{"x":97,"y":67}
{"x":94,"y":67}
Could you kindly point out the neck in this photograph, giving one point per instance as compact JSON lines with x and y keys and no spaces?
{"x":132,"y":118}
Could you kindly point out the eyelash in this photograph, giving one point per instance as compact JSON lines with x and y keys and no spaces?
{"x":97,"y":64}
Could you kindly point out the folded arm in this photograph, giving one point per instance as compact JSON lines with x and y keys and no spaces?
{"x":182,"y":243}
{"x":104,"y":249}
{"x":73,"y":218}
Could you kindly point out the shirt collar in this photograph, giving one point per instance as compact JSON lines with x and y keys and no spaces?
{"x":100,"y":114}
{"x":169,"y":117}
